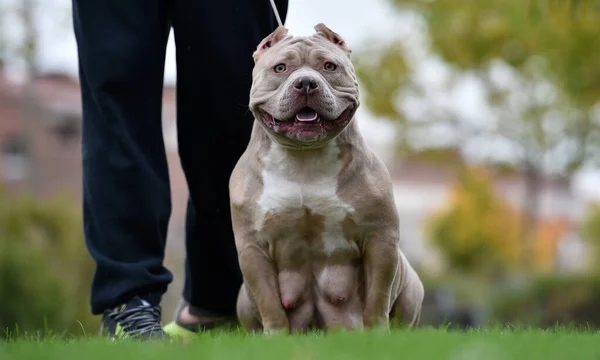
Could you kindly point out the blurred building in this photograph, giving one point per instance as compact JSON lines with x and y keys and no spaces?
{"x":51,"y":164}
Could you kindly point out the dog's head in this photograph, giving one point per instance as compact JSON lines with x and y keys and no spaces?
{"x":304,"y":90}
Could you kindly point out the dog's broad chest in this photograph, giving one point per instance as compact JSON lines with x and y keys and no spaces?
{"x":300,"y":199}
{"x":282,"y":195}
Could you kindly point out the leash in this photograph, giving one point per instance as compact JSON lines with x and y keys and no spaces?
{"x":276,"y":12}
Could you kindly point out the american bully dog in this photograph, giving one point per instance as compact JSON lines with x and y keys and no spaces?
{"x":313,"y":213}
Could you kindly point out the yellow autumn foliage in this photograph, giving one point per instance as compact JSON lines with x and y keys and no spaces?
{"x":479,"y":232}
{"x":545,"y":247}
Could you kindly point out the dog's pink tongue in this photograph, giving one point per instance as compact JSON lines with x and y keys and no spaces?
{"x":307,"y":114}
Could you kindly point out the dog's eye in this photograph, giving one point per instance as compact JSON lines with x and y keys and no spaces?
{"x":279,"y":68}
{"x":329,"y":66}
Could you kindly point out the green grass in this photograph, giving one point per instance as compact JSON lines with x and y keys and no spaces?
{"x":420,"y":344}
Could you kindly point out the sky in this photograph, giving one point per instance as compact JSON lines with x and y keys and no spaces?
{"x":360,"y":23}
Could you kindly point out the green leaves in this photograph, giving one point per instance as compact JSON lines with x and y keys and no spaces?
{"x":591,"y":231}
{"x":45,"y":269}
{"x":478,"y":232}
{"x":547,"y":44}
{"x":383,"y":74}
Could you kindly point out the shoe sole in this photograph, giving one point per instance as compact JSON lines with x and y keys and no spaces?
{"x":177,"y":331}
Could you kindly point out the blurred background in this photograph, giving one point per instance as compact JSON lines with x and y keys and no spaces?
{"x":486,"y":113}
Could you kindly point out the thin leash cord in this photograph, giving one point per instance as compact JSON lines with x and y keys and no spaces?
{"x":276,"y":12}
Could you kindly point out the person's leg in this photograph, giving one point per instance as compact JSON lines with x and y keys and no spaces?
{"x":215,"y":41}
{"x":126,"y":193}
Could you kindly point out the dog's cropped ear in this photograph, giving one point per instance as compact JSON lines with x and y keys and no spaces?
{"x":332,"y":36}
{"x":269,"y":41}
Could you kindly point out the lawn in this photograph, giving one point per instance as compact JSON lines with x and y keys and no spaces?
{"x":420,"y":344}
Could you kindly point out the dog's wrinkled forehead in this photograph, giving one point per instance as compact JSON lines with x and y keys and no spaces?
{"x":281,"y":45}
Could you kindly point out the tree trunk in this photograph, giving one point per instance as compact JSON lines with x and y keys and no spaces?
{"x":28,"y":99}
{"x":530,"y":213}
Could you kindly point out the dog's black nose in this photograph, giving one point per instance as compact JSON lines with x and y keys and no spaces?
{"x":306,"y":85}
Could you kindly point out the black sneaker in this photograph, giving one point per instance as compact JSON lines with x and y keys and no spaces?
{"x":135,"y":319}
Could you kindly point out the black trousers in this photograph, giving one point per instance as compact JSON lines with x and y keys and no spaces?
{"x":126,"y":191}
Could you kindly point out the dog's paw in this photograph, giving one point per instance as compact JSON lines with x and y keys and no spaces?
{"x":275,"y":329}
{"x":376,"y":322}
{"x":274,"y":332}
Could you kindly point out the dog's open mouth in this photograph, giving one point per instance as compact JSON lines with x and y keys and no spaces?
{"x":306,"y":119}
{"x":308,"y":115}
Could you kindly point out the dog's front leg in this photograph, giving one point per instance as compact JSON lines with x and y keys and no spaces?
{"x":380,"y":261}
{"x":260,"y":278}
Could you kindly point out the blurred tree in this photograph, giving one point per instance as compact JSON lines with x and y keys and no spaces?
{"x":548,"y":302}
{"x":384,"y":75}
{"x":537,"y":65}
{"x":45,"y":270}
{"x":591,"y":233}
{"x":28,"y":52}
{"x":478,"y":232}
{"x":571,"y":52}
{"x":23,"y":51}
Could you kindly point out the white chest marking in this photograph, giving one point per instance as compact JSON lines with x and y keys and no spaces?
{"x":316,"y":191}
